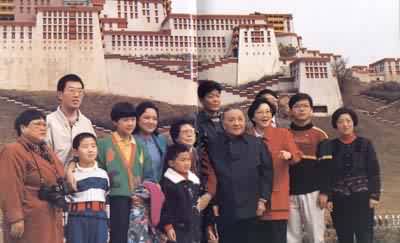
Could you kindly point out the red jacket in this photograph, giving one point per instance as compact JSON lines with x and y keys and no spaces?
{"x":278,"y":139}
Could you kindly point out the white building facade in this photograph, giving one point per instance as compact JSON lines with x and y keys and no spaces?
{"x":140,"y":48}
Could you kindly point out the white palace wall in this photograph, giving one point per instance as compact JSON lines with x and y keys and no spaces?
{"x":226,"y":73}
{"x":37,"y":63}
{"x":257,"y":59}
{"x":130,"y":79}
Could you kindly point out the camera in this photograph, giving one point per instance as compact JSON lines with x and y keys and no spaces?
{"x":55,"y":194}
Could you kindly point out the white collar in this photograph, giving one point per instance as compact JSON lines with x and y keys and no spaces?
{"x":176,"y":178}
{"x":257,"y":134}
{"x":273,"y":121}
{"x":94,"y":167}
{"x":61,"y":113}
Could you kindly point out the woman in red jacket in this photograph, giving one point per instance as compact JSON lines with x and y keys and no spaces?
{"x":273,"y":224}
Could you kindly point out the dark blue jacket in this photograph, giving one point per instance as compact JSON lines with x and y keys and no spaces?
{"x":243,"y":168}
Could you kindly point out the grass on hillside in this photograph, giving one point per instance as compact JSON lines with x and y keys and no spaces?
{"x":389,"y":91}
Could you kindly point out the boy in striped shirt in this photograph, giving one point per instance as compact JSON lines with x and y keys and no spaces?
{"x":87,"y":218}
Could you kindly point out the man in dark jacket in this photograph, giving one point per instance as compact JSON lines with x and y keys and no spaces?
{"x":208,"y":125}
{"x":243,"y":183}
{"x":208,"y":120}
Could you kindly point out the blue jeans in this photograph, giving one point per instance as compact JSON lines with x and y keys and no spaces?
{"x":87,"y":227}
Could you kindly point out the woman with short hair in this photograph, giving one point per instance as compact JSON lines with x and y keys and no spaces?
{"x":28,"y":167}
{"x":146,"y":133}
{"x":356,"y":181}
{"x":272,"y":226}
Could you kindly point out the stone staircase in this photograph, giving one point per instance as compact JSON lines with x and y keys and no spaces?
{"x":176,"y":68}
{"x":222,"y":61}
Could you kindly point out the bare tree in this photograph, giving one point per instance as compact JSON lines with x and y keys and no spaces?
{"x":343,"y":74}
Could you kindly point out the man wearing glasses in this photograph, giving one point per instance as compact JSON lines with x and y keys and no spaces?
{"x":67,"y":121}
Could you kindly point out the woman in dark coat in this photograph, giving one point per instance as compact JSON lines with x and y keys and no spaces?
{"x":25,"y":166}
{"x":356,"y":180}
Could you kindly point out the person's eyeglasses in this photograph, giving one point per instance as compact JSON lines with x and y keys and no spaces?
{"x":263,"y":112}
{"x":188,"y":131}
{"x":301,"y":106}
{"x":38,"y":124}
{"x":75,"y":91}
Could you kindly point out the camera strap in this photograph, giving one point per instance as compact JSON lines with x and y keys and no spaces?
{"x":30,"y":150}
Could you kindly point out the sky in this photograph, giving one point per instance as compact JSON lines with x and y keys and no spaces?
{"x":362,"y":31}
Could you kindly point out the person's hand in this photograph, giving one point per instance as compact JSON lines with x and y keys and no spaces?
{"x":171,"y":234}
{"x":163,"y":238}
{"x":69,"y":175}
{"x":137,"y":201}
{"x":373,"y":203}
{"x":261,"y":208}
{"x":285,"y":155}
{"x":322,"y":201}
{"x":17,"y":229}
{"x":212,"y":236}
{"x":203,"y":202}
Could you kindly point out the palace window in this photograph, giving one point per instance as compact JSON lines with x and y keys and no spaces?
{"x":316,"y":70}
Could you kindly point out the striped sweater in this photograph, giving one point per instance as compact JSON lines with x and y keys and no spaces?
{"x":92,"y":185}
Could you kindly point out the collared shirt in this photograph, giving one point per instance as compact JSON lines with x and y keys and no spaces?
{"x":257,"y":134}
{"x":60,"y":133}
{"x":125,"y":145}
{"x":273,"y":122}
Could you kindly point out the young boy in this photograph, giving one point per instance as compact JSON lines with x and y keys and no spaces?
{"x":87,"y":220}
{"x":124,"y":160}
{"x":180,"y":216}
{"x":307,"y":181}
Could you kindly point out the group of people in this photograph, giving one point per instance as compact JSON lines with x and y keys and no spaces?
{"x":220,"y":177}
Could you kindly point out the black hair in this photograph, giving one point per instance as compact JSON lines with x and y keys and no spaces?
{"x":62,"y":82}
{"x":24,"y":118}
{"x":264,"y":92}
{"x":299,"y":97}
{"x":174,"y":150}
{"x":76,"y":142}
{"x":122,"y":110}
{"x":256,"y":104}
{"x":140,"y":109}
{"x":177,"y":125}
{"x":228,"y":109}
{"x":341,"y":111}
{"x":207,"y":86}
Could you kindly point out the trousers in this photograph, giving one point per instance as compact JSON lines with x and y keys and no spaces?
{"x":306,"y":219}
